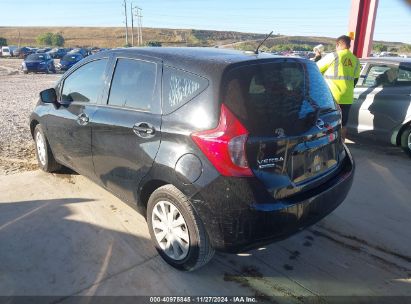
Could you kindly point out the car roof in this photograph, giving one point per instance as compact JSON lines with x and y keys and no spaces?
{"x":201,"y":60}
{"x":388,"y":60}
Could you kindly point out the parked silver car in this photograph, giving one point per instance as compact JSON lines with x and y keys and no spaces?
{"x":382,"y":102}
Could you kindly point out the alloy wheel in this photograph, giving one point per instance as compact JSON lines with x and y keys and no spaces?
{"x":41,"y":148}
{"x":170,"y":230}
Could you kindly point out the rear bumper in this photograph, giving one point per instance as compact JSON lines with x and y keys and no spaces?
{"x":249,"y":217}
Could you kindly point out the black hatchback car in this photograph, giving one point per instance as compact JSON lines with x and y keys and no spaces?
{"x":220,"y":150}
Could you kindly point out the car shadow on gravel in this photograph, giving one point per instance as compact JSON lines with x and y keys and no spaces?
{"x":52,"y":247}
{"x":63,"y":248}
{"x":66,"y":171}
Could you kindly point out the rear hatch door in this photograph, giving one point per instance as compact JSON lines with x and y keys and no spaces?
{"x":292,"y":119}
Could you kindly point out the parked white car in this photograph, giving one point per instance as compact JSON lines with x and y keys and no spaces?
{"x":7,"y":51}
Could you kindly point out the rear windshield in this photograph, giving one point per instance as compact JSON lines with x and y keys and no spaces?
{"x":287,"y":95}
{"x":36,"y":57}
{"x":71,"y":58}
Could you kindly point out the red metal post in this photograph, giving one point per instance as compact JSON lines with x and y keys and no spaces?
{"x":362,"y":23}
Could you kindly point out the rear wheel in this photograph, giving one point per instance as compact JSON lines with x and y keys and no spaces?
{"x":406,"y":140}
{"x":176,"y":230}
{"x":45,"y":157}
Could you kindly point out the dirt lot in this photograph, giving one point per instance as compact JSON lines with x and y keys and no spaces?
{"x":18,"y":96}
{"x":62,"y":235}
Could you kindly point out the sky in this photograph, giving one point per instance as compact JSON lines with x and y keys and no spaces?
{"x":293,"y":17}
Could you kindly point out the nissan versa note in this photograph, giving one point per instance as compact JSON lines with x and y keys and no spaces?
{"x":218,"y":149}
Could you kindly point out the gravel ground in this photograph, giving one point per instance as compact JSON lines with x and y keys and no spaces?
{"x":18,"y":96}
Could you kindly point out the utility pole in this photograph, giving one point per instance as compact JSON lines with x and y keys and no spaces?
{"x":139,"y":30}
{"x":136,"y":12}
{"x":132,"y":23}
{"x":140,"y":25}
{"x":125,"y":15}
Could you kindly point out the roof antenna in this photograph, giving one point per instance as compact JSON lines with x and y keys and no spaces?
{"x":262,"y":42}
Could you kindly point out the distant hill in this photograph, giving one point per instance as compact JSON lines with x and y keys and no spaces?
{"x":115,"y":37}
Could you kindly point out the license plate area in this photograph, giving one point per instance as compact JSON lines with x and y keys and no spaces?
{"x":310,"y":163}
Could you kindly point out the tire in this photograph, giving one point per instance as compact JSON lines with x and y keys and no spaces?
{"x":406,"y":141}
{"x":44,"y":155}
{"x":193,"y":247}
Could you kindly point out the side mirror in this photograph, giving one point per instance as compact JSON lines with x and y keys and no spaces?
{"x":48,"y":96}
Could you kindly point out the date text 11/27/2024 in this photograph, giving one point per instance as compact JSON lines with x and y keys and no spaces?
{"x":198,"y":299}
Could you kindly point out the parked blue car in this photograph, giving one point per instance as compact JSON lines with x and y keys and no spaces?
{"x":69,"y":60}
{"x":57,"y":53}
{"x":38,"y":63}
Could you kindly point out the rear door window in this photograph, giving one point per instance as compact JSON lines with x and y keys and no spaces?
{"x":179,"y":87}
{"x":285,"y":95}
{"x":133,"y":84}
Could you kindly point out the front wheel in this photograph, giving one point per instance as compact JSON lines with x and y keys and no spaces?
{"x":44,"y":155}
{"x":176,"y":230}
{"x":406,"y":141}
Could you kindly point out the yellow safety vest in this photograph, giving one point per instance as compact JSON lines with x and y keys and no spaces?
{"x":340,"y":69}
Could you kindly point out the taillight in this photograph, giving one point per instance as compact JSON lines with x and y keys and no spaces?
{"x":224,"y":146}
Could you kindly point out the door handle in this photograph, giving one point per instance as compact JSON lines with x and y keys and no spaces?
{"x":143,"y":129}
{"x":82,"y":119}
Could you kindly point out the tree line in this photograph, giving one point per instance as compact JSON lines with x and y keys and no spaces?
{"x":57,"y":39}
{"x":379,"y":47}
{"x":46,"y":39}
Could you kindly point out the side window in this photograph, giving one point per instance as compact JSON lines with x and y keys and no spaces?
{"x":404,"y":76}
{"x":133,"y":84}
{"x":179,"y":87}
{"x":381,"y":75}
{"x":86,"y":83}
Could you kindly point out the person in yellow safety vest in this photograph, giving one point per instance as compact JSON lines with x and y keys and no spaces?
{"x":341,"y":71}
